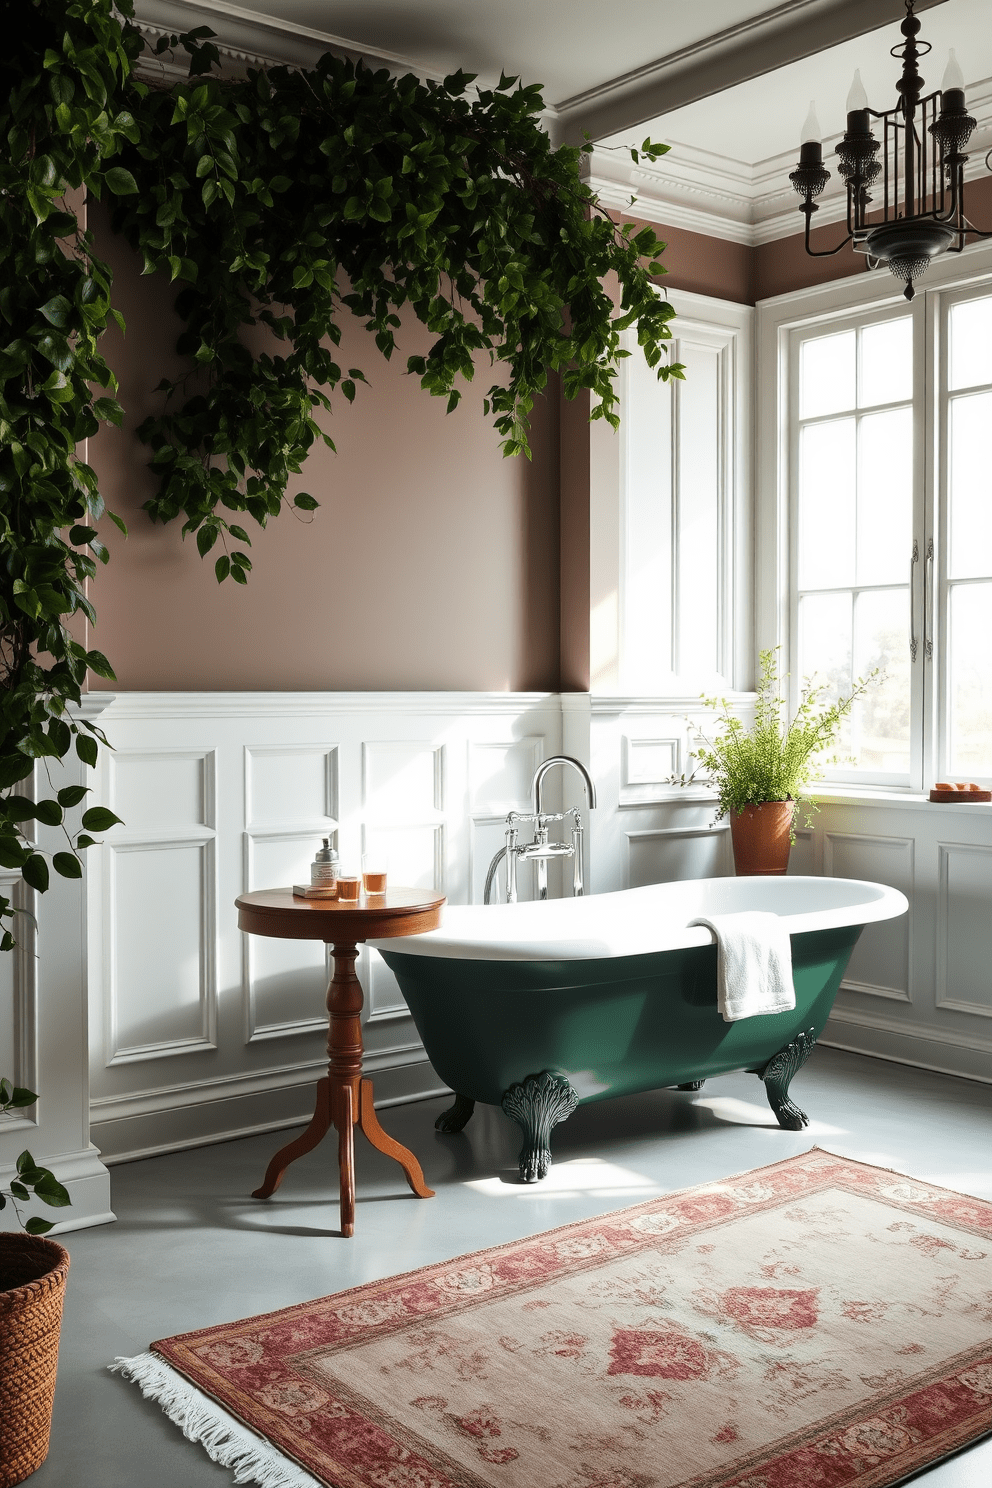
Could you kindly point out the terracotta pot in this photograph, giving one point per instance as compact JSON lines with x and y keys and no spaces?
{"x":761,"y":837}
{"x":33,"y":1273}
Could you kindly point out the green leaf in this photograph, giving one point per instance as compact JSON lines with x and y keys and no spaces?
{"x":86,"y":748}
{"x":222,"y":568}
{"x":67,"y":864}
{"x":35,"y":872}
{"x":120,"y":181}
{"x":205,"y":539}
{"x":57,"y":311}
{"x":99,"y":819}
{"x":71,"y":795}
{"x":305,"y":502}
{"x":98,"y":663}
{"x":36,"y":1226}
{"x":49,"y":813}
{"x":51,"y":1191}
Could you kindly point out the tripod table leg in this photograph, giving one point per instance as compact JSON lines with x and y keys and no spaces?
{"x":346,"y":1159}
{"x":368,"y":1121}
{"x":315,"y":1133}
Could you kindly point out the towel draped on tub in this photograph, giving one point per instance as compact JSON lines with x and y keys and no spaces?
{"x":753,"y":963}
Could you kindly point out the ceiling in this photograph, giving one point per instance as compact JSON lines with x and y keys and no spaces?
{"x":726,"y":83}
{"x":602,"y":67}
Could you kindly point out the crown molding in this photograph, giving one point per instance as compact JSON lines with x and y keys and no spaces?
{"x":726,"y":198}
{"x":786,"y":33}
{"x":250,"y":38}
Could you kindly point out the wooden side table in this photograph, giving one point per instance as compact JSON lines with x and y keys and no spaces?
{"x":344,"y":1098}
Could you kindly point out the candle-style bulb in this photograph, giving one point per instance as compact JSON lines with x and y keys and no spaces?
{"x":857,"y":98}
{"x":812,"y":133}
{"x":953,"y":76}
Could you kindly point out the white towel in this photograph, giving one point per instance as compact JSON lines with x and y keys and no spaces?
{"x":753,"y":963}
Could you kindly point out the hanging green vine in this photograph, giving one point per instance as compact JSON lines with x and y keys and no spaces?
{"x":289,"y":199}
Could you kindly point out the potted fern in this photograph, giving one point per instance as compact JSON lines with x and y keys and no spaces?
{"x":762,"y":771}
{"x":33,"y":1274}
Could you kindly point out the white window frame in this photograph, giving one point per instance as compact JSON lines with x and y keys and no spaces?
{"x":725,"y":328}
{"x":828,"y":307}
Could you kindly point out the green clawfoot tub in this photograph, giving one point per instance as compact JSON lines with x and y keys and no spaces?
{"x":539,"y":1007}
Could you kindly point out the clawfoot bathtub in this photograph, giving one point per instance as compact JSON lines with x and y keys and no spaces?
{"x":538,"y":1007}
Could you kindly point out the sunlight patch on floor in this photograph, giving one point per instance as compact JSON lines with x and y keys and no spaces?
{"x":583,"y":1175}
{"x":746,"y":1113}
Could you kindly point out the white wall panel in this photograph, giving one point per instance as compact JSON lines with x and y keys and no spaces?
{"x":402,"y":781}
{"x":649,"y":762}
{"x":155,"y":788}
{"x":669,"y":854}
{"x":964,"y":929}
{"x":403,"y":772}
{"x":291,"y":784}
{"x":881,"y":965}
{"x":162,"y":996}
{"x":803,"y":857}
{"x":501,"y":772}
{"x":415,"y":853}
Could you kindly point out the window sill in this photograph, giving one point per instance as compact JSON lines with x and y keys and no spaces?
{"x":864,"y":795}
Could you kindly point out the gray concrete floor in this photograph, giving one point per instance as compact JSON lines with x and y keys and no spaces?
{"x":191,"y":1249}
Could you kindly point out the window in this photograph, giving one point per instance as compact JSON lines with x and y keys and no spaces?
{"x":889,"y":514}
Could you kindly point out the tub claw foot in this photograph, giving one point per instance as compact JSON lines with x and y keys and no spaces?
{"x":691,"y":1085}
{"x":456,"y":1116}
{"x":536,"y":1105}
{"x":777,"y":1074}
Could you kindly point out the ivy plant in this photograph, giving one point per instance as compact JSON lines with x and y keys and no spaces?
{"x":289,"y":199}
{"x":64,"y":120}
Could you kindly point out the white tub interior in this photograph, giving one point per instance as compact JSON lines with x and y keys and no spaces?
{"x":641,"y":921}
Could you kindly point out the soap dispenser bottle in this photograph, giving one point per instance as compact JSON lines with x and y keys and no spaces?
{"x":325,"y":867}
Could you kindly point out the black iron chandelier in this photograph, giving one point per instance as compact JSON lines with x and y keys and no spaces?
{"x":921,"y":214}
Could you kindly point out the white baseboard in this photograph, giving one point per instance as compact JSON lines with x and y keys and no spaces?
{"x":88,"y":1182}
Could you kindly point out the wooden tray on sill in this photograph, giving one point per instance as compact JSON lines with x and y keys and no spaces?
{"x":965,"y":795}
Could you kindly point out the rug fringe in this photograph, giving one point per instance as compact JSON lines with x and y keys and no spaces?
{"x":226,"y":1440}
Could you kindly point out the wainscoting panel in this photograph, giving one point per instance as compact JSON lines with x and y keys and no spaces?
{"x":154,"y":788}
{"x":668,"y":854}
{"x":163,"y":950}
{"x":199,"y":1032}
{"x":284,"y":785}
{"x":917,"y":988}
{"x":881,"y":963}
{"x":964,"y":907}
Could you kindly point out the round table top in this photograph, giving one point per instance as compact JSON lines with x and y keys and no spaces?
{"x":280,"y":913}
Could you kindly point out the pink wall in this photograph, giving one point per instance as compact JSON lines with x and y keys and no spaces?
{"x":703,"y":265}
{"x":432,"y":562}
{"x":784,"y":265}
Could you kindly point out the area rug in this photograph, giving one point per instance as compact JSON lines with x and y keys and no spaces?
{"x":814,"y":1324}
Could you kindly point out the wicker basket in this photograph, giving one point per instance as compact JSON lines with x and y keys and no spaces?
{"x":33,"y":1273}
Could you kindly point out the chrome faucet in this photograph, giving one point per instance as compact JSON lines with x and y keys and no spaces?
{"x":562,"y":759}
{"x":542,"y":848}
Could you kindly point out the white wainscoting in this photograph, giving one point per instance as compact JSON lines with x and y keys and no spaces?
{"x":43,"y":1000}
{"x":198,"y":1032}
{"x":918,"y":989}
{"x":646,"y":830}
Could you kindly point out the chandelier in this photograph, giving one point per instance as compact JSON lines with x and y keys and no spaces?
{"x":921,"y":214}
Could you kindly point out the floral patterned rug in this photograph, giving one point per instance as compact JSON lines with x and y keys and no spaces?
{"x":813,"y":1324}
